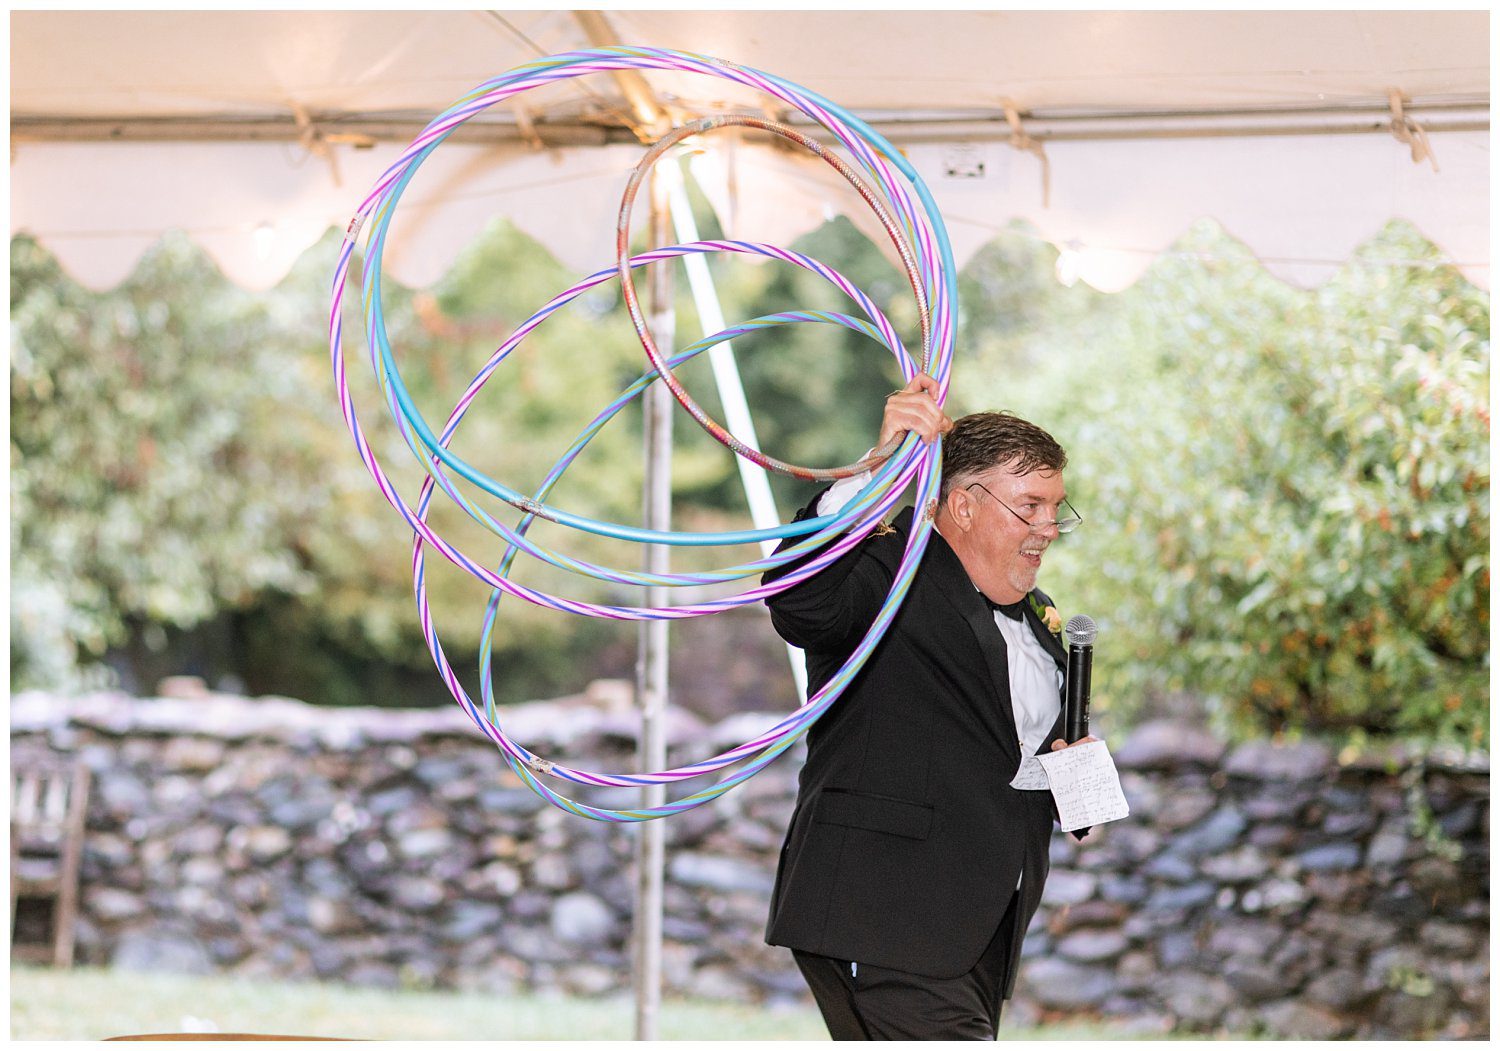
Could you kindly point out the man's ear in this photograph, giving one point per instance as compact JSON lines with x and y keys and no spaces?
{"x":960,"y":508}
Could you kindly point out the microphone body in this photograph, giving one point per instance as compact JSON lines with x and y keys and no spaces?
{"x":1081,"y":632}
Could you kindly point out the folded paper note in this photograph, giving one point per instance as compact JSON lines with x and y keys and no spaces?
{"x":1030,"y":775}
{"x":1085,"y":785}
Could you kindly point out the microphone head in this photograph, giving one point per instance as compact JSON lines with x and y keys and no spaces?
{"x":1081,"y":630}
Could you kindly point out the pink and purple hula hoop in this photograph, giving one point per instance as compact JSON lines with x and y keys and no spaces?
{"x":905,"y":209}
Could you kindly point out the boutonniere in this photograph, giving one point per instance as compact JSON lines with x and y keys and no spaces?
{"x":1048,"y":615}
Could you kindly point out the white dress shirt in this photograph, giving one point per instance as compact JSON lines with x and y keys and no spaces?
{"x":1035,"y":682}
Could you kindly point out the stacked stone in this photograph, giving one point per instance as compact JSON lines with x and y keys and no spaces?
{"x":395,"y":849}
{"x":1261,"y":890}
{"x":1273,"y":891}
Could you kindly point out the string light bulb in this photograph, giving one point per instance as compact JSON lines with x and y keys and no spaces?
{"x":1069,"y":264}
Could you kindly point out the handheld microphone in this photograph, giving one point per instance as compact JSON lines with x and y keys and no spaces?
{"x":1081,"y":632}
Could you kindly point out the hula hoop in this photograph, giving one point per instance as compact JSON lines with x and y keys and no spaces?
{"x":917,"y":230}
{"x":638,"y":318}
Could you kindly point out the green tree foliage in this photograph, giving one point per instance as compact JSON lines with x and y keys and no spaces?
{"x":178,"y":457}
{"x":142,"y":494}
{"x":1016,"y":321}
{"x":1286,"y":493}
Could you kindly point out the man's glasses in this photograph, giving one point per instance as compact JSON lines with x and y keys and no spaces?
{"x":1064,"y":525}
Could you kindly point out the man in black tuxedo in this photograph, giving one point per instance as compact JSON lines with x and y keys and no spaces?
{"x":912,"y":867}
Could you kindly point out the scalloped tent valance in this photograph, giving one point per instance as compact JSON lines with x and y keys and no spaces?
{"x":255,"y":132}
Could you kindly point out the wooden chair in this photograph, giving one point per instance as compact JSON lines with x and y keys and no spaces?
{"x":48,"y":804}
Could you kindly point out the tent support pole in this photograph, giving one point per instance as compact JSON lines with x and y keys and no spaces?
{"x":651,"y":680}
{"x":651,"y":666}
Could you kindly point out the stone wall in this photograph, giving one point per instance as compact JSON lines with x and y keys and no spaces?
{"x":1259,"y":890}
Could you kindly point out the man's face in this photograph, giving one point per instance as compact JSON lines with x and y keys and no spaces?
{"x":1009,"y":550}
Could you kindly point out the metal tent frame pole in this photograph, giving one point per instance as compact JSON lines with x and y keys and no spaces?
{"x":652,"y":663}
{"x":671,"y":209}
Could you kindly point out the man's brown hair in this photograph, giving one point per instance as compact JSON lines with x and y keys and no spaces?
{"x":983,"y":440}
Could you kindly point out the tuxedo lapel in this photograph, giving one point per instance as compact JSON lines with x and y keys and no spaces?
{"x":980,"y":618}
{"x":981,"y":621}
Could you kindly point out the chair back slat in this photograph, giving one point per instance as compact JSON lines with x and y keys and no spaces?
{"x":24,"y":802}
{"x":43,"y":804}
{"x":55,"y":807}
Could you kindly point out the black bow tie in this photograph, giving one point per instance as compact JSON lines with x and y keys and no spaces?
{"x":1010,"y":609}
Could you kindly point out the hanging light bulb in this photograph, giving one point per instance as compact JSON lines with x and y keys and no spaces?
{"x":1069,"y":264}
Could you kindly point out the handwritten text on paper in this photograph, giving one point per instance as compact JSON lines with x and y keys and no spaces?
{"x":1085,"y":785}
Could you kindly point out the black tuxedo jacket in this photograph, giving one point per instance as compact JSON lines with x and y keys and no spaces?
{"x":907,"y":840}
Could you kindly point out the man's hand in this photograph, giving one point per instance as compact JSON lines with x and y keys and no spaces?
{"x":914,"y":409}
{"x":1057,"y":746}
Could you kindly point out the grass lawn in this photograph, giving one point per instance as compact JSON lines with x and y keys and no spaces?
{"x":90,"y":1004}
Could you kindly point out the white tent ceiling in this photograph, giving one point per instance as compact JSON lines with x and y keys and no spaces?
{"x":1277,"y":124}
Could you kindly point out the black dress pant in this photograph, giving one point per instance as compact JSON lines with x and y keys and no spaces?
{"x":862,"y":1002}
